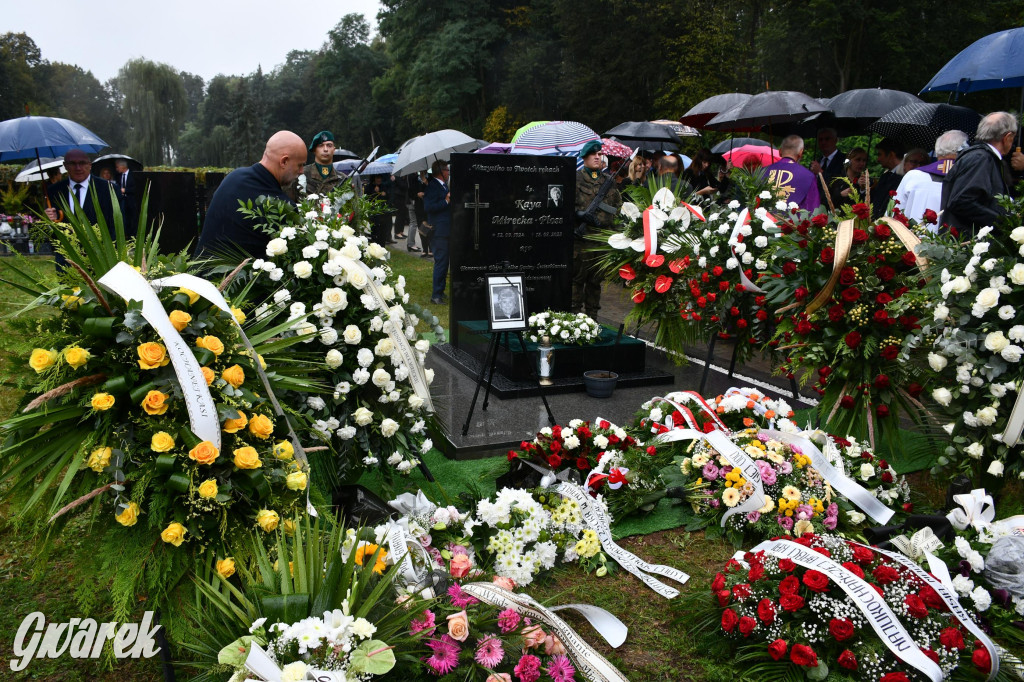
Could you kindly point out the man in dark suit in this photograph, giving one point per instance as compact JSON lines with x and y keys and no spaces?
{"x":436,"y":201}
{"x":830,"y":162}
{"x":129,"y":187}
{"x":225,"y":229}
{"x":890,"y":154}
{"x":978,"y":175}
{"x":78,"y":190}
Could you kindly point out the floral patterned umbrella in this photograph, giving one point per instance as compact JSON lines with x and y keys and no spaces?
{"x":617,"y":149}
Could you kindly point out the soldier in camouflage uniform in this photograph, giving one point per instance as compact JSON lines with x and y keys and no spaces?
{"x":320,"y":176}
{"x":586,"y":279}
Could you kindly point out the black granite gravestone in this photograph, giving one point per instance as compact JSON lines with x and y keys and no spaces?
{"x":510,"y":213}
{"x":173,"y":199}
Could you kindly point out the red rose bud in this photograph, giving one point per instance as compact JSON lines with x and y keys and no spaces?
{"x":909,"y":259}
{"x":723,"y":286}
{"x":827,"y":255}
{"x":718,"y":583}
{"x":981,"y":659}
{"x":741,"y":324}
{"x":885,"y":273}
{"x":881,"y":317}
{"x":816,"y":581}
{"x":916,"y":606}
{"x":847,"y":660}
{"x":582,"y":462}
{"x":651,"y":449}
{"x":854,"y":568}
{"x":788,"y":268}
{"x":890,"y":352}
{"x":881,"y":381}
{"x":882,"y":411}
{"x":930,"y":216}
{"x":704,"y":277}
{"x":747,"y":625}
{"x":662,"y":284}
{"x":766,"y":611}
{"x":717,"y":271}
{"x":863,"y":555}
{"x":801,"y":654}
{"x":883,"y":298}
{"x":853,"y":339}
{"x":847,"y":276}
{"x":729,"y":620}
{"x":820,"y":220}
{"x":802,"y":243}
{"x":835,"y":313}
{"x":554,"y":461}
{"x":787,"y":565}
{"x":932,"y":598}
{"x":789,"y":585}
{"x":861,"y":210}
{"x":627,"y":273}
{"x":761,"y":315}
{"x":777,"y":649}
{"x":791,"y":602}
{"x":951,"y":638}
{"x":886,"y":475}
{"x":655,"y":260}
{"x":511,"y":455}
{"x":841,"y":628}
{"x":882,"y":231}
{"x":850,"y":294}
{"x":908,"y":507}
{"x":885,"y":575}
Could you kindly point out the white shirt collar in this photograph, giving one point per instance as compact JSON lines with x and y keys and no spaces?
{"x":996,"y":152}
{"x":828,"y":157}
{"x":71,"y":189}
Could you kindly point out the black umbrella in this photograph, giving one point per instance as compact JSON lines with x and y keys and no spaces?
{"x":868,"y":105}
{"x":342,"y":154}
{"x":644,"y":135}
{"x":734,"y":142}
{"x":765,"y":110}
{"x":917,"y":125}
{"x":108,"y":161}
{"x":711,"y":107}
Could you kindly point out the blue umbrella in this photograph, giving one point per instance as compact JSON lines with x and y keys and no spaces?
{"x":995,"y":61}
{"x":37,"y":136}
{"x":388,"y":158}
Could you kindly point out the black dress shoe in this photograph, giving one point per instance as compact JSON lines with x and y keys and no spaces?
{"x":437,"y":301}
{"x":415,"y":248}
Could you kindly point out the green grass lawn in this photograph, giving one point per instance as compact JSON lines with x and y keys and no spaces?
{"x":419,"y":282}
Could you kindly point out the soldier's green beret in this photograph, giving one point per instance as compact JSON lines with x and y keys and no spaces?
{"x":590,"y":148}
{"x":322,"y":136}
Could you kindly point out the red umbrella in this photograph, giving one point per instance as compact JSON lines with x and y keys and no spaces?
{"x":764,"y":156}
{"x":616,"y":149}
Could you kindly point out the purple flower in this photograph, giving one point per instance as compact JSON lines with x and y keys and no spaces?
{"x":832,"y":509}
{"x":804,"y":512}
{"x":726,"y":469}
{"x":460,"y":599}
{"x":714,"y":503}
{"x":446,"y":655}
{"x":768,"y":476}
{"x":762,"y":466}
{"x":786,"y":522}
{"x":754,"y":516}
{"x":710,"y":471}
{"x":796,"y":449}
{"x":763,"y":437}
{"x":830,"y":522}
{"x":784,"y":467}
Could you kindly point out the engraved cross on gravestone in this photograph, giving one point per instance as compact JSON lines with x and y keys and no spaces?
{"x":476,"y":205}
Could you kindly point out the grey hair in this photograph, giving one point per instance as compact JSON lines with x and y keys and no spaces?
{"x":792,"y":143}
{"x":950,"y":142}
{"x":995,"y":125}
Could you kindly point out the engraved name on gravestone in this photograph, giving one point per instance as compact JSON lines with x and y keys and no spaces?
{"x":508,"y":208}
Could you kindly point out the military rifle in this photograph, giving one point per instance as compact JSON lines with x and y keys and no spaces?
{"x":587,"y":217}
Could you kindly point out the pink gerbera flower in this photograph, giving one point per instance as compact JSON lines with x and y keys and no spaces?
{"x":459,"y":598}
{"x":426,"y":624}
{"x":489,"y":652}
{"x":446,"y":655}
{"x":508,"y":620}
{"x":560,"y":669}
{"x":528,"y":668}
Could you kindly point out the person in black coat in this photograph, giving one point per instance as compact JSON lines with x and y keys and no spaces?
{"x":978,"y":175}
{"x":437,"y":200}
{"x":225,"y":229}
{"x":130,"y":190}
{"x":890,"y":154}
{"x":78,"y":190}
{"x":830,"y":162}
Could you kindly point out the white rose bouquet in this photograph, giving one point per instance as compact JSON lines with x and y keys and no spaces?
{"x":565,"y":328}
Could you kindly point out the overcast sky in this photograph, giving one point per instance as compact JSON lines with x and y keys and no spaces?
{"x":204,"y":37}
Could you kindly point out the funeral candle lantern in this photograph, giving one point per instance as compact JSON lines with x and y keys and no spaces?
{"x":545,"y":361}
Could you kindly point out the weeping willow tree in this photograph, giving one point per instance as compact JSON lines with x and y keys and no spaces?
{"x":155,"y":105}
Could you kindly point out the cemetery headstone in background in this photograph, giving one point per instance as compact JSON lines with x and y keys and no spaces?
{"x":504,"y":220}
{"x":174,"y":199}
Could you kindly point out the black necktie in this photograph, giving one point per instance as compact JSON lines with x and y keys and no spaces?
{"x":124,"y":179}
{"x":78,"y":195}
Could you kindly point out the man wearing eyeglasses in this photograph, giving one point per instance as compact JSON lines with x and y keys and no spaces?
{"x":77,"y":191}
{"x":979,"y":175}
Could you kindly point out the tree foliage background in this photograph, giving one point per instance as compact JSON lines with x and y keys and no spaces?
{"x":486,"y":67}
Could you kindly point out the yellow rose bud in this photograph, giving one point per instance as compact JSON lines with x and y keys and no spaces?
{"x":173,"y":534}
{"x":42,"y":359}
{"x":102,"y":401}
{"x":209,"y":375}
{"x":161,"y":442}
{"x":236,"y":425}
{"x":261,"y":426}
{"x":152,"y":355}
{"x":99,"y":459}
{"x":296,"y":480}
{"x":284,"y":450}
{"x":247,"y":458}
{"x":211,"y":343}
{"x":288,"y":526}
{"x":234,"y":375}
{"x":204,"y":453}
{"x":155,"y":403}
{"x":71,"y":302}
{"x":192,"y":296}
{"x":208,"y":489}
{"x":180,"y":319}
{"x":76,"y":357}
{"x":226,"y":567}
{"x":129,"y":516}
{"x":268,"y":520}
{"x":239,"y":315}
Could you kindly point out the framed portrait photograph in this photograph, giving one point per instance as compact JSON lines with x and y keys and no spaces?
{"x":506,"y":302}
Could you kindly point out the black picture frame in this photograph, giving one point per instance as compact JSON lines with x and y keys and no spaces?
{"x":506,"y":302}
